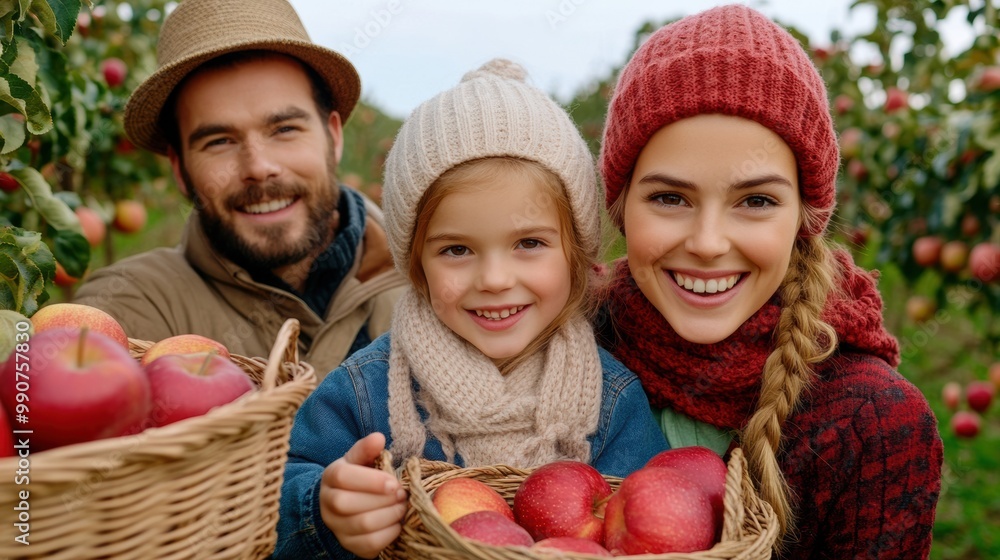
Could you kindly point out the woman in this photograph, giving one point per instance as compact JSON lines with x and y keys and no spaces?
{"x":720,"y":161}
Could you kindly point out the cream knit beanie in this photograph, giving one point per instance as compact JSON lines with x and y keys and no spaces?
{"x":492,"y":112}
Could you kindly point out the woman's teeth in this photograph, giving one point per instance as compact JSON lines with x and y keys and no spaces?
{"x":265,"y":207}
{"x":700,"y":286}
{"x":497,"y":315}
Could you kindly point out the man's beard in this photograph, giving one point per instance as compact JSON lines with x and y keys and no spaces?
{"x":276,"y":251}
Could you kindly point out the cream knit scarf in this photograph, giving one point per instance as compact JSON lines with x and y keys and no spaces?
{"x":542,"y":411}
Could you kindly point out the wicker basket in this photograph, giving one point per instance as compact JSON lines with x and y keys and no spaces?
{"x":204,"y":487}
{"x":749,"y":531}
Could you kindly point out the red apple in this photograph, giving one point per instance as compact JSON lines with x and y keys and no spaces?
{"x":927,"y":250}
{"x":562,"y":499}
{"x":701,"y":465}
{"x":93,"y":226}
{"x":572,"y":544}
{"x":183,"y":344}
{"x":490,"y":527}
{"x":970,"y":225}
{"x":114,"y":71}
{"x":130,"y":216}
{"x":850,"y":142}
{"x":74,"y":316}
{"x":186,"y":385}
{"x":895,"y":99}
{"x":843,"y":103}
{"x":460,"y":496}
{"x":62,"y":278}
{"x":965,"y":424}
{"x":979,"y":394}
{"x":856,"y":170}
{"x":920,"y":309}
{"x":658,"y":510}
{"x":83,"y":386}
{"x":83,"y":24}
{"x":984,"y":262}
{"x":954,"y":255}
{"x":951,"y":394}
{"x":8,"y":183}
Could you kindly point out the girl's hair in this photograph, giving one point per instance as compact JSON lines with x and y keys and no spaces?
{"x":801,"y":339}
{"x":471,"y":174}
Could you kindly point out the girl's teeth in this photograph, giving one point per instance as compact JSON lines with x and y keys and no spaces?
{"x":497,"y":315}
{"x":711,"y":286}
{"x":265,"y":207}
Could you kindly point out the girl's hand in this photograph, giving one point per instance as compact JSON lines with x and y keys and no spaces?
{"x":362,"y":505}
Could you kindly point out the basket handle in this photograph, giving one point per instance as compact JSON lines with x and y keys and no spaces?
{"x":737,"y":481}
{"x":285,"y":343}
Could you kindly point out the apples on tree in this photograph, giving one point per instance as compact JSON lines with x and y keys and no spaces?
{"x":984,"y":262}
{"x":979,"y":395}
{"x":92,"y":225}
{"x":490,"y":527}
{"x":954,"y":256}
{"x":130,"y":216}
{"x":62,"y":278}
{"x":951,"y":394}
{"x":965,"y":424}
{"x":895,"y":99}
{"x":114,"y":71}
{"x":187,"y":385}
{"x":460,"y":496}
{"x":927,"y":250}
{"x":84,"y":386}
{"x":920,"y":309}
{"x":74,"y":316}
{"x":562,"y":499}
{"x":8,"y":183}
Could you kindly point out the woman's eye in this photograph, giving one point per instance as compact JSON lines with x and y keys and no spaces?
{"x":668,"y":199}
{"x":759,"y":201}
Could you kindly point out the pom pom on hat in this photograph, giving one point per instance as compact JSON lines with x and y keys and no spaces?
{"x":492,"y":112}
{"x":730,"y":60}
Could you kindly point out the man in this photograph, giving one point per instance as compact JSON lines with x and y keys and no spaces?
{"x":250,"y":113}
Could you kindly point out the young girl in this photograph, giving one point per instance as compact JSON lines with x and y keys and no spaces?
{"x":720,"y":161}
{"x":492,"y":211}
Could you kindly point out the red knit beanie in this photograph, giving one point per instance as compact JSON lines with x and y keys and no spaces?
{"x":730,"y":60}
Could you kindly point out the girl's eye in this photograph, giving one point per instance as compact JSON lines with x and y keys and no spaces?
{"x":530,"y":243}
{"x":668,"y":199}
{"x":759,"y":201}
{"x":455,"y":251}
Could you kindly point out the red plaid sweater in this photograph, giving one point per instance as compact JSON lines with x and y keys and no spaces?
{"x":861,"y":453}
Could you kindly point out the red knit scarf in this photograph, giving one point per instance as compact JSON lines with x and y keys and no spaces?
{"x":719,"y":383}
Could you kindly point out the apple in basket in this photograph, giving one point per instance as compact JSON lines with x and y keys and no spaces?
{"x":460,"y":496}
{"x":186,"y":385}
{"x":571,"y":544}
{"x":563,"y":499}
{"x":491,"y":527}
{"x":702,"y":465}
{"x":83,"y":386}
{"x":183,"y":344}
{"x":76,"y":316}
{"x":658,"y":510}
{"x":6,"y":435}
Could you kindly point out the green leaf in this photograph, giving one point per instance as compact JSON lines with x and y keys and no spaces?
{"x":20,"y":95}
{"x":65,"y":13}
{"x":9,"y":323}
{"x":43,"y":11}
{"x":53,"y":210}
{"x":11,"y":134}
{"x":72,"y":251}
{"x":24,"y":65}
{"x":21,"y":281}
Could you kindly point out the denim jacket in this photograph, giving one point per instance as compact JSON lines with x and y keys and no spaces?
{"x":352,"y":402}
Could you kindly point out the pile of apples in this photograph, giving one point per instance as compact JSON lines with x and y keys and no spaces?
{"x":673,"y":504}
{"x":74,"y":379}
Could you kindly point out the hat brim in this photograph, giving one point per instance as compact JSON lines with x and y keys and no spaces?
{"x":142,"y":111}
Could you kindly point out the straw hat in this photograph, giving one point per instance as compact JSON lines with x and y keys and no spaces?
{"x":199,"y":30}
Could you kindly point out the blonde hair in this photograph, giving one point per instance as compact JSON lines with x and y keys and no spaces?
{"x":582,"y":298}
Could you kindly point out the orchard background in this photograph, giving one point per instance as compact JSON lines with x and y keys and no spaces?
{"x":919,"y":194}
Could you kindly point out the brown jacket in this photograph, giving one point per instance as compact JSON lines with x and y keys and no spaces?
{"x":192,"y":289}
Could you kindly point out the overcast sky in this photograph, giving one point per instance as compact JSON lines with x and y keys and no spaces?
{"x":408,"y":50}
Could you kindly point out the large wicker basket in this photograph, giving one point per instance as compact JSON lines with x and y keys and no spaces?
{"x":749,"y":531}
{"x":205,"y":487}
